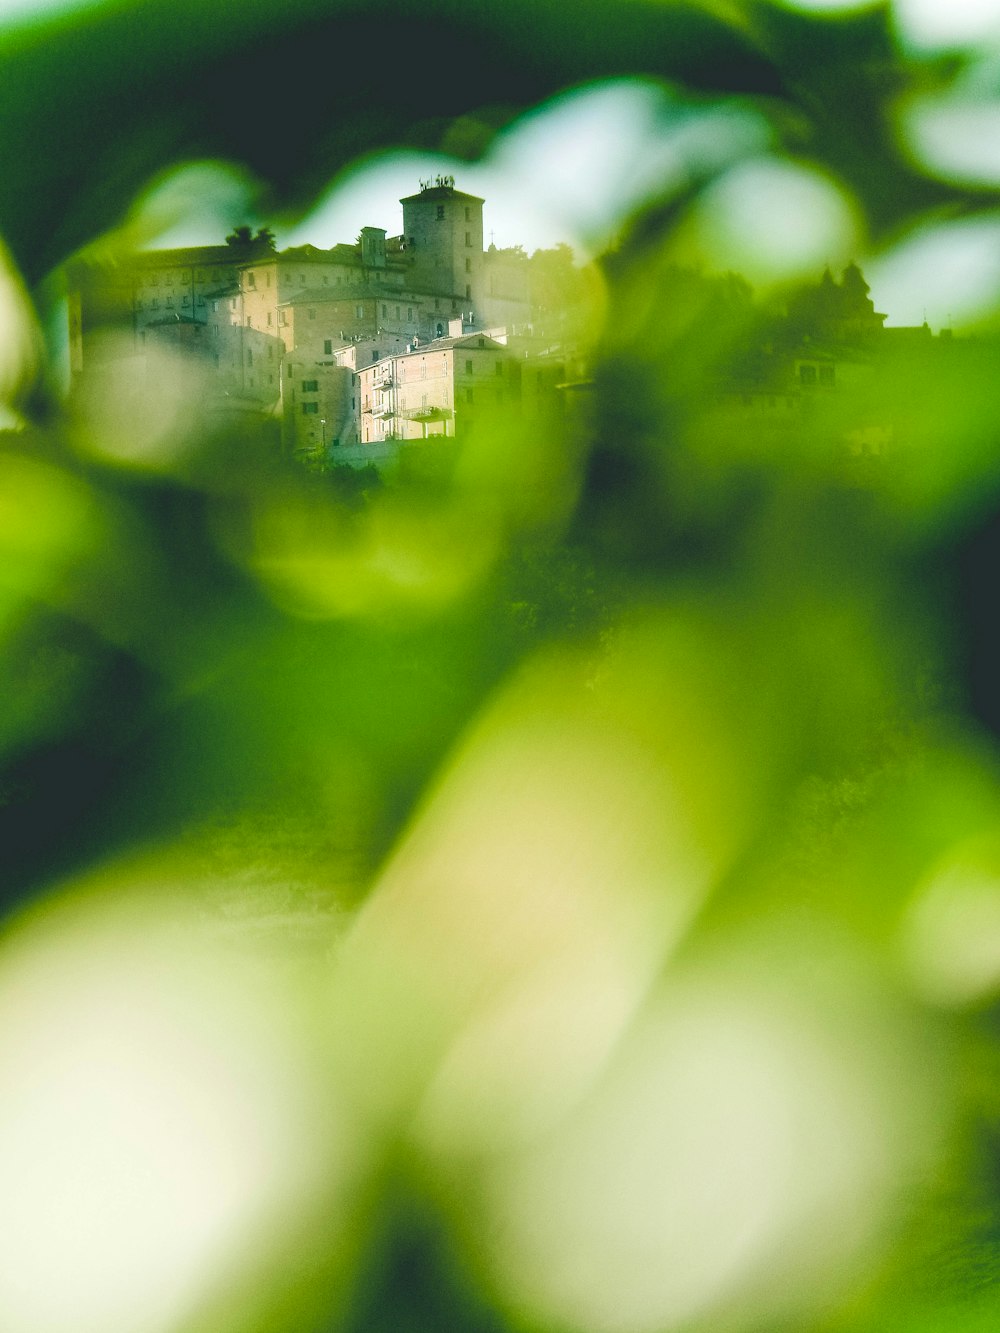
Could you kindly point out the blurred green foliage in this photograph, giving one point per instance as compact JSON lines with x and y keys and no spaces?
{"x":557,"y":888}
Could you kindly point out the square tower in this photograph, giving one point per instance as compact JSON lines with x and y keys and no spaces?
{"x":443,"y":230}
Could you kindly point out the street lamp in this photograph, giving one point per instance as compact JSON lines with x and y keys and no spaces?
{"x":322,"y":423}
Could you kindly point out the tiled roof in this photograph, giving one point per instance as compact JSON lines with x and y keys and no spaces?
{"x":211,"y":255}
{"x":440,"y":193}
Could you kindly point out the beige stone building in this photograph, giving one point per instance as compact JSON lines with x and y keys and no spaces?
{"x":112,"y":302}
{"x":420,"y":392}
{"x":504,"y":297}
{"x":443,"y":239}
{"x":165,"y":283}
{"x":298,"y":332}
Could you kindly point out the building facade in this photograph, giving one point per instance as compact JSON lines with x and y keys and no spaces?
{"x":352,"y":346}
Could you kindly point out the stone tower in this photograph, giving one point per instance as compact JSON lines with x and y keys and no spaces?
{"x":444,"y":238}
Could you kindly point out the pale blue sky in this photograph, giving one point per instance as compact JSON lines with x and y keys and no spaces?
{"x":568,"y":172}
{"x":573,"y":170}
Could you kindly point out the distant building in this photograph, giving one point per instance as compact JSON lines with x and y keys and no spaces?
{"x":417,"y":393}
{"x":443,"y":239}
{"x":404,"y":324}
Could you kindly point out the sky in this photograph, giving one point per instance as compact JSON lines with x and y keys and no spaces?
{"x":566,"y":173}
{"x":571,"y":172}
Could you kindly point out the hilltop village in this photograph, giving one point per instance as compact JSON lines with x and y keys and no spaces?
{"x":357,"y":350}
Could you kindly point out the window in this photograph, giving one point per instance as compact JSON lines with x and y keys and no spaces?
{"x":468,"y":238}
{"x":310,"y":386}
{"x":249,"y":358}
{"x":468,"y":367}
{"x":482,"y":342}
{"x":326,"y":280}
{"x":310,"y":409}
{"x":267,"y":279}
{"x":468,"y":215}
{"x":312,"y":312}
{"x":409,"y":312}
{"x":385,"y":312}
{"x":185,"y":300}
{"x":359,"y":312}
{"x":440,"y":212}
{"x":270,"y":317}
{"x":499,"y":367}
{"x":251,"y":280}
{"x":468,"y":265}
{"x":283,"y":317}
{"x":170,"y":303}
{"x":327,"y":346}
{"x":468,"y":292}
{"x":170,"y":279}
{"x":826,"y":375}
{"x":807,"y":374}
{"x":156,"y":303}
{"x":186,"y":275}
{"x":397,"y":312}
{"x":232,"y":304}
{"x":468,"y":395}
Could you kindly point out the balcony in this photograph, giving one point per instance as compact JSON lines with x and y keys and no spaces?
{"x":429,"y":414}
